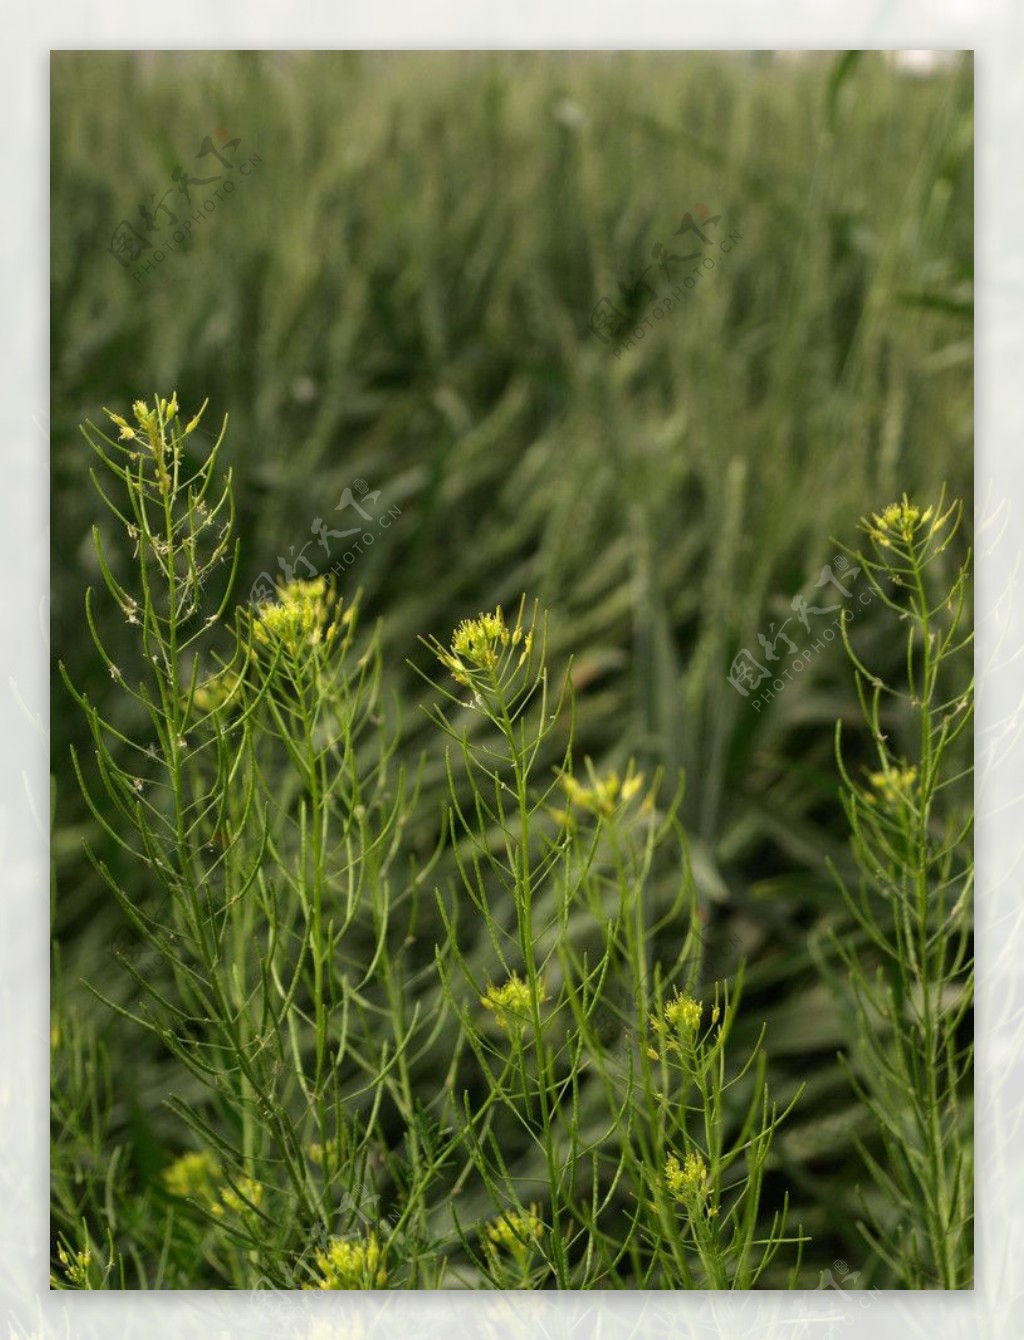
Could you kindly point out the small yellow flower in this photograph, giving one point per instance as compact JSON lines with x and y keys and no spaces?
{"x":481,"y":639}
{"x":901,"y":521}
{"x":302,"y":616}
{"x":687,"y":1182}
{"x":126,"y":431}
{"x":477,"y":645}
{"x":511,"y":1002}
{"x":599,"y":798}
{"x":148,"y":427}
{"x":481,"y":649}
{"x":893,"y":787}
{"x":678,"y":1023}
{"x":351,"y":1263}
{"x":683,"y":1013}
{"x":198,"y":1177}
{"x":76,"y":1266}
{"x":193,"y":1175}
{"x":516,"y":1232}
{"x":249,"y":1193}
{"x":605,"y":794}
{"x":193,"y":423}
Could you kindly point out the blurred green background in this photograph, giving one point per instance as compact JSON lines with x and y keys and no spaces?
{"x":399,"y":292}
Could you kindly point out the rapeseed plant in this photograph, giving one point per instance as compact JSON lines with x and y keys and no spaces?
{"x":540,"y":1081}
{"x":718,"y":1181}
{"x":908,"y":980}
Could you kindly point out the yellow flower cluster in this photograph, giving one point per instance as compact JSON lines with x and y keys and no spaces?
{"x":676,"y":1025}
{"x":193,"y":1175}
{"x":892,"y":788}
{"x":479,"y":644}
{"x":516,"y":1232}
{"x":351,"y":1263}
{"x":151,"y":427}
{"x":148,"y":420}
{"x":301,"y":617}
{"x":198,"y":1176}
{"x":510,"y":1003}
{"x":683,"y":1013}
{"x":75,"y":1266}
{"x":481,"y":639}
{"x":901,"y":522}
{"x":249,"y":1193}
{"x":688,"y":1182}
{"x":606,"y":793}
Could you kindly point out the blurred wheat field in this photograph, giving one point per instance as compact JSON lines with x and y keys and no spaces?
{"x":402,"y":294}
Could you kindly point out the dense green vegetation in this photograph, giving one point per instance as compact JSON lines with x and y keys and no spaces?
{"x":394,"y":308}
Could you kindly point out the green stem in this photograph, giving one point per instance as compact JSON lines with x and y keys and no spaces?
{"x":524,"y":918}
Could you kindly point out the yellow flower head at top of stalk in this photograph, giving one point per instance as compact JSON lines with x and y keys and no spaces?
{"x":901,"y":522}
{"x":148,"y":420}
{"x":151,"y":427}
{"x":676,"y":1024}
{"x":305,"y":614}
{"x":351,"y":1263}
{"x":479,"y":645}
{"x":679,"y":1015}
{"x":510,"y":1003}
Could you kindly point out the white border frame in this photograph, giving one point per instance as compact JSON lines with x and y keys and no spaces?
{"x":994,"y":29}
